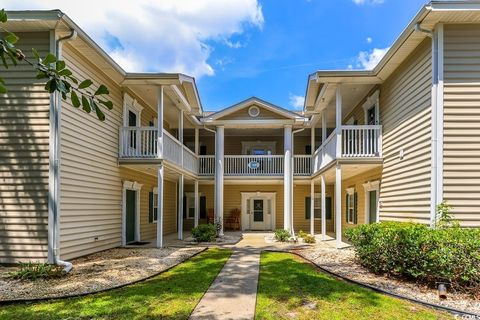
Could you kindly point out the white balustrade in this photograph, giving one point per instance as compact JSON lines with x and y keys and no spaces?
{"x":302,"y":165}
{"x":361,"y":141}
{"x":190,"y":160}
{"x":268,"y":165}
{"x":138,"y":142}
{"x":206,"y":166}
{"x":172,"y":149}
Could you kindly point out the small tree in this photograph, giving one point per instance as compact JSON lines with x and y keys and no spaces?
{"x":444,"y":217}
{"x":57,"y":76}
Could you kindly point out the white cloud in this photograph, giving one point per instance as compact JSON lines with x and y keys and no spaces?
{"x":369,"y":40}
{"x":296,"y":101}
{"x":161,"y":36}
{"x":370,"y":2}
{"x":369,"y":59}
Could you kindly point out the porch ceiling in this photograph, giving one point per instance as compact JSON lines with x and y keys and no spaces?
{"x":348,"y":171}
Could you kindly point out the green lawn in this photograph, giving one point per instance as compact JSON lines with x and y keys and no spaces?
{"x":290,"y":288}
{"x":171,"y":295}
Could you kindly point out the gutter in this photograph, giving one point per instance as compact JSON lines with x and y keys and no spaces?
{"x":54,"y":199}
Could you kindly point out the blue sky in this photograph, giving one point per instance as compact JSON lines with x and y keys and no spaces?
{"x":239,"y":48}
{"x":297,"y":38}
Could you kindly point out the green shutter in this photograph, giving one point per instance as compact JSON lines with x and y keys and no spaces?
{"x":355,"y":206}
{"x":150,"y":207}
{"x":307,"y":208}
{"x":346,"y":207}
{"x":203,"y":207}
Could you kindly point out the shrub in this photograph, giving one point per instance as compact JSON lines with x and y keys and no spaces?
{"x":307,"y":238}
{"x":204,"y":233}
{"x":420,"y":253}
{"x":282,"y":235}
{"x":34,"y":271}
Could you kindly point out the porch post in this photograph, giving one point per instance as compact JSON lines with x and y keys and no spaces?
{"x":338,"y":205}
{"x":160,"y":123}
{"x":324,"y":125}
{"x":181,"y":180}
{"x":338,"y":120}
{"x":197,"y":141}
{"x":180,"y":132}
{"x":159,"y":243}
{"x":287,"y":177}
{"x":312,"y":140}
{"x":197,"y":205}
{"x":324,"y":208}
{"x":219,"y":167}
{"x":312,"y":207}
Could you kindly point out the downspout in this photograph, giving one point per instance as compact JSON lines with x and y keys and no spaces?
{"x":435,"y":149}
{"x":57,"y":101}
{"x":293,"y":168}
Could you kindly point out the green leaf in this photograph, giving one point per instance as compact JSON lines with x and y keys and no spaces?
{"x":3,"y":16}
{"x":108,"y":104}
{"x":101,"y":90}
{"x":65,"y":73}
{"x":12,"y":38}
{"x":3,"y":89}
{"x":75,"y":100}
{"x":50,"y":58}
{"x":60,"y":65}
{"x":5,"y":64}
{"x":35,"y":54}
{"x":86,"y":105}
{"x":85,"y":84}
{"x":41,"y":75}
{"x":99,"y":112}
{"x":51,"y":85}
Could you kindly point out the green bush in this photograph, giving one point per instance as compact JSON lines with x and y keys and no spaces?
{"x":34,"y":271}
{"x":282,"y":235}
{"x":307,"y":238}
{"x":420,"y":253}
{"x":204,"y":233}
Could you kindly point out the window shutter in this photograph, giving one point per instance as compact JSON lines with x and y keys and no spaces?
{"x":203,"y":207}
{"x":184,"y":207}
{"x":355,"y":206}
{"x":346,"y":207}
{"x":307,"y":208}
{"x":328,"y":208}
{"x":150,"y":207}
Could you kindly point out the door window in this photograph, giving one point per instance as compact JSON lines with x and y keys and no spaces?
{"x":371,"y":116}
{"x":258,"y":210}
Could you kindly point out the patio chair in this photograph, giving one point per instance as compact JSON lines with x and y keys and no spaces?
{"x":211,"y":216}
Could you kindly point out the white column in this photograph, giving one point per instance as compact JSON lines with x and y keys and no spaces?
{"x":197,"y":205}
{"x":312,"y":140}
{"x":180,"y":131}
{"x":324,"y":207}
{"x":159,"y":243}
{"x":338,"y":120}
{"x":338,"y":205}
{"x":197,"y":141}
{"x":287,"y":177}
{"x":181,"y":180}
{"x":160,"y":123}
{"x":324,"y":125}
{"x":219,"y":171}
{"x":312,"y":207}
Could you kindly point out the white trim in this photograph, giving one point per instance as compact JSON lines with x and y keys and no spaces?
{"x":135,"y":186}
{"x":372,"y":101}
{"x":269,"y":145}
{"x":254,"y":111}
{"x":131,"y":104}
{"x":350,"y":191}
{"x":245,"y":216}
{"x":371,"y":186}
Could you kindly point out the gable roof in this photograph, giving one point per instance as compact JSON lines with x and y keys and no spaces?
{"x":284,"y":113}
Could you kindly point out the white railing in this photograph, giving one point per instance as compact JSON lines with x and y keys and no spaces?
{"x":302,"y":165}
{"x":206,"y":165}
{"x":254,"y":165}
{"x":190,"y":160}
{"x":138,"y":142}
{"x":361,"y":141}
{"x":172,"y":148}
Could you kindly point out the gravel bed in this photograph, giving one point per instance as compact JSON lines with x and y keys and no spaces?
{"x":97,"y":272}
{"x":343,"y":262}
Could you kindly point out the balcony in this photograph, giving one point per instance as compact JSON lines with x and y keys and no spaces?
{"x":357,"y":142}
{"x":141,"y":143}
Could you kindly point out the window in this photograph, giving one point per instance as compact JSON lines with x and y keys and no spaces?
{"x":371,"y":109}
{"x":317,"y":207}
{"x":351,"y":206}
{"x":190,"y":208}
{"x":155,"y":207}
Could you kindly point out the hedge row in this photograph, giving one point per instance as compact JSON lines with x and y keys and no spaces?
{"x":417,"y":252}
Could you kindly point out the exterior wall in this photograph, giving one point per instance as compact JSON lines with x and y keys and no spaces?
{"x":300,"y":192}
{"x":24,"y":164}
{"x":405,"y":113}
{"x":357,"y":113}
{"x":357,"y":182}
{"x":169,"y":207}
{"x":461,"y":169}
{"x":243,"y":115}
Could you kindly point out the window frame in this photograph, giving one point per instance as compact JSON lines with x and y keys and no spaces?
{"x":350,"y":205}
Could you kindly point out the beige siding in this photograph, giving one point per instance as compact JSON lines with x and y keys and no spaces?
{"x":243,"y":115}
{"x":462,"y":122}
{"x":24,"y":164}
{"x":405,"y":113}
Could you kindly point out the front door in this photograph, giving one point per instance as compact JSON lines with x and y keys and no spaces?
{"x":371,"y":116}
{"x":258,"y":214}
{"x":372,"y":206}
{"x":130,"y":215}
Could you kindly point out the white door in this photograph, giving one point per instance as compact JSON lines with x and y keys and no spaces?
{"x":258,"y":213}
